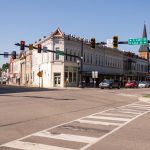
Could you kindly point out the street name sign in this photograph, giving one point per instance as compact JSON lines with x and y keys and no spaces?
{"x":58,"y":52}
{"x":137,"y":41}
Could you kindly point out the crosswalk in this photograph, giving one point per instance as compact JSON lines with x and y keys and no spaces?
{"x":81,"y":133}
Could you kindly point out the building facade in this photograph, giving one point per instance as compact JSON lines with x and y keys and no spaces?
{"x":62,"y":71}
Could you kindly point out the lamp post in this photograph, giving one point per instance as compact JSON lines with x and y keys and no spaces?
{"x":81,"y":68}
{"x":78,"y":62}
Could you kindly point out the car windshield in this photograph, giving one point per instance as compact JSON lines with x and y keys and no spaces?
{"x":106,"y":81}
{"x":143,"y":82}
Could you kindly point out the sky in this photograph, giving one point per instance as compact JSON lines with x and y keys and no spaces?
{"x":30,"y":20}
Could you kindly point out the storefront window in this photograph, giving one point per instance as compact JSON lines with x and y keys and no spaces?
{"x":74,"y":77}
{"x":66,"y":76}
{"x":70,"y":76}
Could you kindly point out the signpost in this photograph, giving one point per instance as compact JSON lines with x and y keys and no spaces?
{"x":94,"y":76}
{"x":138,"y":41}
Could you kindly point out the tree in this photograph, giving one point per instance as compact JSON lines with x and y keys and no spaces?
{"x":5,"y":67}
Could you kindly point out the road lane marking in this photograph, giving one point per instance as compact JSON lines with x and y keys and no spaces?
{"x":138,"y":105}
{"x":131,"y":110}
{"x":128,"y":95}
{"x":68,"y":137}
{"x":119,"y":111}
{"x":126,"y":112}
{"x":119,"y":115}
{"x":33,"y":146}
{"x":109,"y":118}
{"x":111,"y":132}
{"x":99,"y":122}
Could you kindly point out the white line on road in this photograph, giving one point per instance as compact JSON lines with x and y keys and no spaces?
{"x":36,"y":146}
{"x":68,"y":137}
{"x":117,"y":114}
{"x":129,"y":95}
{"x":99,"y":122}
{"x":109,"y":118}
{"x":111,"y":132}
{"x":131,"y":110}
{"x":33,"y":146}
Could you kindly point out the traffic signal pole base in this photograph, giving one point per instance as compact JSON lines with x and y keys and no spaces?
{"x":81,"y":85}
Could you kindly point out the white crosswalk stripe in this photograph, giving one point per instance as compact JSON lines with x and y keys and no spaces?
{"x":99,"y":122}
{"x":33,"y":146}
{"x":67,"y":137}
{"x":112,"y":118}
{"x":109,"y":118}
{"x":117,"y":115}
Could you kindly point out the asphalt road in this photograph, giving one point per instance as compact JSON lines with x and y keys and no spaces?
{"x":73,"y":119}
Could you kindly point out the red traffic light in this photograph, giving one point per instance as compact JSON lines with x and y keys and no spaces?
{"x":39,"y":48}
{"x":22,"y":45}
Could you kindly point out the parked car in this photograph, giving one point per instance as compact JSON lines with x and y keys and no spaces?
{"x":144,"y":84}
{"x":110,"y":84}
{"x":3,"y":80}
{"x":131,"y":84}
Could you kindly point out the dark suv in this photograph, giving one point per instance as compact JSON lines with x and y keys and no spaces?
{"x":110,"y":84}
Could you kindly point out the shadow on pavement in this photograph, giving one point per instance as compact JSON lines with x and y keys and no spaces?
{"x":20,"y":89}
{"x":40,"y":97}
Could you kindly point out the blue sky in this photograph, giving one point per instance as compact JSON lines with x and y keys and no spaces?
{"x":30,"y":20}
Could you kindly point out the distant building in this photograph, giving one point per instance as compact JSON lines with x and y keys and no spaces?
{"x":144,"y":49}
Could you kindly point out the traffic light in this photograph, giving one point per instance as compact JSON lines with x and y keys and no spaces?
{"x":93,"y":43}
{"x":13,"y":54}
{"x":39,"y":48}
{"x":115,"y":41}
{"x":31,"y":47}
{"x":22,"y":45}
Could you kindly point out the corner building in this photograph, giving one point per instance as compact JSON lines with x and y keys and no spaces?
{"x":62,"y":71}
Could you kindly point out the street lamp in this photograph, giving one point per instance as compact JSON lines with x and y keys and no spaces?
{"x":78,"y":62}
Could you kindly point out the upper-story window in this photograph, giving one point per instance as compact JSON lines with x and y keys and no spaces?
{"x":87,"y":58}
{"x":70,"y":56}
{"x":74,"y":57}
{"x":91,"y":58}
{"x":96,"y":60}
{"x":57,"y":56}
{"x":66,"y":57}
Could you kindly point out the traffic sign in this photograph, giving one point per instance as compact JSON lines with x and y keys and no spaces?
{"x":58,"y":52}
{"x":40,"y":73}
{"x":6,"y":54}
{"x":138,"y":41}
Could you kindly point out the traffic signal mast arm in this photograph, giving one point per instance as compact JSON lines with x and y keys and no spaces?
{"x":18,"y":44}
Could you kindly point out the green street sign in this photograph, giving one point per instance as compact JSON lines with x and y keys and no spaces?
{"x":58,"y":52}
{"x":138,"y":41}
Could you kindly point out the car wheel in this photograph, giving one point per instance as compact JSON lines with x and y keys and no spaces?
{"x":110,"y":87}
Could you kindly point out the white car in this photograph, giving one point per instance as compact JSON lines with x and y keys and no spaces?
{"x":144,"y":84}
{"x":3,"y":80}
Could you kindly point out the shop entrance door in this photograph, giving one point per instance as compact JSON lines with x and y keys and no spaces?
{"x":57,"y":79}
